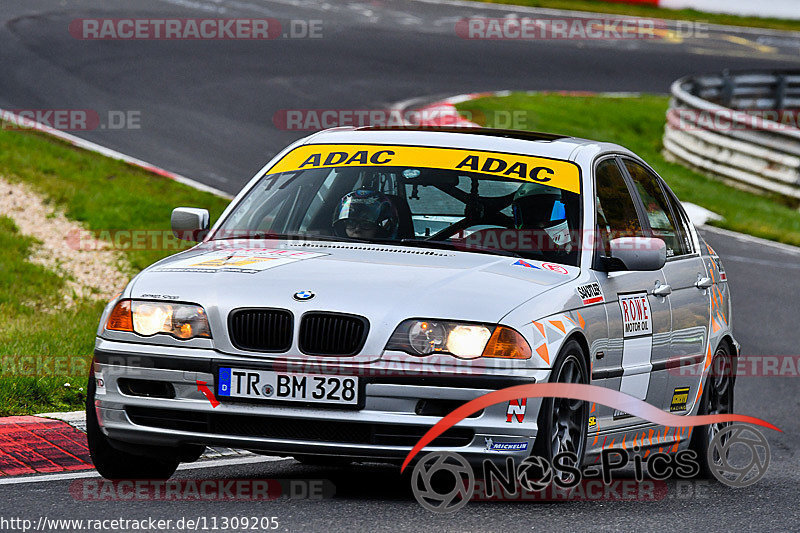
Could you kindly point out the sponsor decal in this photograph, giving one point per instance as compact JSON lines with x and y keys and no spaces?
{"x":680,"y":396}
{"x":591,"y":293}
{"x":525,"y":264}
{"x":493,"y":446}
{"x":245,"y":260}
{"x":551,"y":172}
{"x":555,"y":268}
{"x":516,"y":410}
{"x":592,"y":422}
{"x":636,"y":318}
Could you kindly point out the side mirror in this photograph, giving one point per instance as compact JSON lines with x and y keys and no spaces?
{"x":637,"y":253}
{"x":190,"y":223}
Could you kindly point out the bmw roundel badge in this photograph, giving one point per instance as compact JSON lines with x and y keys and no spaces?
{"x":302,"y":296}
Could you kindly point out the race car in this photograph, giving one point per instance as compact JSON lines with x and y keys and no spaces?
{"x":367,"y":281}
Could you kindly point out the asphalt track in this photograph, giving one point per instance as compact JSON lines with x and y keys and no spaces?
{"x":206,"y":112}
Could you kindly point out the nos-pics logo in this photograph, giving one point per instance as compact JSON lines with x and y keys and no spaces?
{"x":443,"y":482}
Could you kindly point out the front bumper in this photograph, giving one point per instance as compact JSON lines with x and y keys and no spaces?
{"x":399,"y":406}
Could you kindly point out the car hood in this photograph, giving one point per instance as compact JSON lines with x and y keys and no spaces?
{"x":386,"y":284}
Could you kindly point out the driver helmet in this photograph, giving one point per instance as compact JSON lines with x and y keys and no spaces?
{"x":539,"y":207}
{"x":364,"y":213}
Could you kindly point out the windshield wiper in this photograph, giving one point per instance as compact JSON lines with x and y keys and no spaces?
{"x":291,"y":236}
{"x":427,"y":243}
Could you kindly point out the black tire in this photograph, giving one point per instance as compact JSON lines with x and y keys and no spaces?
{"x":112,"y":463}
{"x":717,"y":398}
{"x":562,"y":422}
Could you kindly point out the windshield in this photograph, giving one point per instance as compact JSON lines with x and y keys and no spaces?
{"x":472,"y":208}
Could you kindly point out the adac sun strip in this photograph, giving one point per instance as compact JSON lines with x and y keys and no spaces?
{"x":552,"y":172}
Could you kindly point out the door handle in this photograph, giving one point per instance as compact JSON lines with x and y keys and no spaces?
{"x":703,"y":283}
{"x":662,"y":290}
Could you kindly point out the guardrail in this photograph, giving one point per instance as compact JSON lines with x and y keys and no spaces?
{"x":741,"y":127}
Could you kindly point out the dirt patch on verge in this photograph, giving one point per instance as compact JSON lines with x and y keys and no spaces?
{"x":94,"y":272}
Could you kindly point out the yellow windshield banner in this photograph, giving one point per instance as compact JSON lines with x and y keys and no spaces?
{"x":551,"y":172}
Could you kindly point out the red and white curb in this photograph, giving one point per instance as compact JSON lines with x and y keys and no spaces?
{"x":31,"y":445}
{"x":52,"y":446}
{"x":24,"y":123}
{"x":444,"y":113}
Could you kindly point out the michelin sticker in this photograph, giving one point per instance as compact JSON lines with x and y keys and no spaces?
{"x":247,"y":260}
{"x":492,"y":446}
{"x":636,"y":317}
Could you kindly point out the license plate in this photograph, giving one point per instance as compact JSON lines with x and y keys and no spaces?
{"x":268,"y":385}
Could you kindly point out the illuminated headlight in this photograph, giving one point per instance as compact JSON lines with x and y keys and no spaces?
{"x":466,"y":341}
{"x":183,"y":321}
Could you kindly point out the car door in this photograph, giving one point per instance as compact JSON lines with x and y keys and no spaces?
{"x":639,"y":322}
{"x":688,"y":282}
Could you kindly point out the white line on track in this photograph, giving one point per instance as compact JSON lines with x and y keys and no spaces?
{"x":188,"y":466}
{"x":786,"y":248}
{"x":764,"y":262}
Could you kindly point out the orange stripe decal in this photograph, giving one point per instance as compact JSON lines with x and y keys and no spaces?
{"x":543,"y":353}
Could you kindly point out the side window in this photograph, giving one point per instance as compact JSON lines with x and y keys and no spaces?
{"x":657,"y":209}
{"x":616,"y":212}
{"x":683,"y":220}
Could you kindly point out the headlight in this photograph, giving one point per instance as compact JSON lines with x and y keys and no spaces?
{"x":466,"y":341}
{"x":184,"y":321}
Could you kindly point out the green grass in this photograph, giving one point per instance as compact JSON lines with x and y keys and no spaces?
{"x":656,"y":12}
{"x":100,"y":193}
{"x":42,"y":347}
{"x":638,"y":124}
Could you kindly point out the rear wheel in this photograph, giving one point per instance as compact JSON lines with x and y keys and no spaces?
{"x":562,"y":421}
{"x":112,"y":463}
{"x":717,"y":398}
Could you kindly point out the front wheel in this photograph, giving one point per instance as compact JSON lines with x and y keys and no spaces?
{"x":562,"y":421}
{"x":112,"y":463}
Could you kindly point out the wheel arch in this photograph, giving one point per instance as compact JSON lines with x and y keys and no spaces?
{"x":727,"y":339}
{"x":580,"y":338}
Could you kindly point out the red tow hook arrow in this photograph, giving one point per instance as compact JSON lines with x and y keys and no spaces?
{"x":202,"y":386}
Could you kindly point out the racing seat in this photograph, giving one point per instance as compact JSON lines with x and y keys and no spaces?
{"x":405,"y":223}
